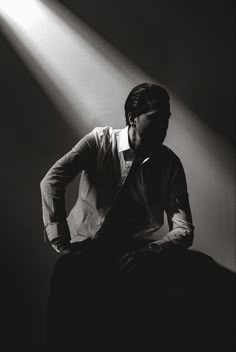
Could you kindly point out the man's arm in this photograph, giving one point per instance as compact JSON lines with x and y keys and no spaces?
{"x":179,"y":220}
{"x":53,"y":187}
{"x":178,"y":212}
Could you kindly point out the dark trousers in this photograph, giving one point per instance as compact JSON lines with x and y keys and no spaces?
{"x":169,"y":301}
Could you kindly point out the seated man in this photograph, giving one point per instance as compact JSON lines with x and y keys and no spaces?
{"x":129,"y":179}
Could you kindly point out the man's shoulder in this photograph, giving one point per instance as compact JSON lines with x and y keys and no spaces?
{"x":170,"y":158}
{"x":105,"y":133}
{"x":169,"y":154}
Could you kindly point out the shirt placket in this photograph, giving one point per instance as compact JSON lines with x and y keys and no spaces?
{"x":145,"y":196}
{"x":125,"y":170}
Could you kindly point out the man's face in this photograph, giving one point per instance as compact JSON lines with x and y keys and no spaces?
{"x":151,"y":128}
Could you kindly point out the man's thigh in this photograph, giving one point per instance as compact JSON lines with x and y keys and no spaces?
{"x":77,"y":302}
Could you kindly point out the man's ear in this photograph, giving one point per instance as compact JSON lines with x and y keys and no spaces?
{"x":131,"y":118}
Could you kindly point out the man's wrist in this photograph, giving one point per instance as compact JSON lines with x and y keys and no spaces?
{"x":155,"y":247}
{"x":60,"y":243}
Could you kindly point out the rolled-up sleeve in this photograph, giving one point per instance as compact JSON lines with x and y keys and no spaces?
{"x":181,"y":229}
{"x":53,"y":185}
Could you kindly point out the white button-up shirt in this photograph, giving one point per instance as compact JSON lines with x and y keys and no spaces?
{"x":105,"y":158}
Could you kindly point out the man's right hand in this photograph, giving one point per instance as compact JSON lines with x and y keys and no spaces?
{"x":61,"y":245}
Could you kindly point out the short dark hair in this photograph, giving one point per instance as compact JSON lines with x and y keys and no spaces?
{"x":144,"y":96}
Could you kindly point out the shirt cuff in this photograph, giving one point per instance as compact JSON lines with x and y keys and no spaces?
{"x":177,"y":237}
{"x":57,"y":230}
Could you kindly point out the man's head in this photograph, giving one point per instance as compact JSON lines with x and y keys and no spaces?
{"x":147,"y":112}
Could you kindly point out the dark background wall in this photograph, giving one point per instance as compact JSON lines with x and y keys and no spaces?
{"x":186,"y":46}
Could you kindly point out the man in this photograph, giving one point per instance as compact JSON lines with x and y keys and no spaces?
{"x":129,"y":179}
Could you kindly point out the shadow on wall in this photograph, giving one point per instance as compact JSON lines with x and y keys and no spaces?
{"x":32,"y":134}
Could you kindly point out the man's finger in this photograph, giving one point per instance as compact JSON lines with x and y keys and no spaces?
{"x":126,"y":263}
{"x":125,"y":257}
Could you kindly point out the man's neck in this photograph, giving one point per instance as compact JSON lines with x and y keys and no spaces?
{"x":139,"y":155}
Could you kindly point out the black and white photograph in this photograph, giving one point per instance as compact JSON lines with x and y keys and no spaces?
{"x":117,"y":176}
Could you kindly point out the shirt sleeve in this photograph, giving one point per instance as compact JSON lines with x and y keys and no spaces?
{"x":181,"y":229}
{"x":81,"y":157}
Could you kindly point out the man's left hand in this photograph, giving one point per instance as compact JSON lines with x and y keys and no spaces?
{"x":129,"y":261}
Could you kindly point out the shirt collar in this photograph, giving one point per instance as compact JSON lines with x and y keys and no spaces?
{"x":124,"y":146}
{"x":123,"y":143}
